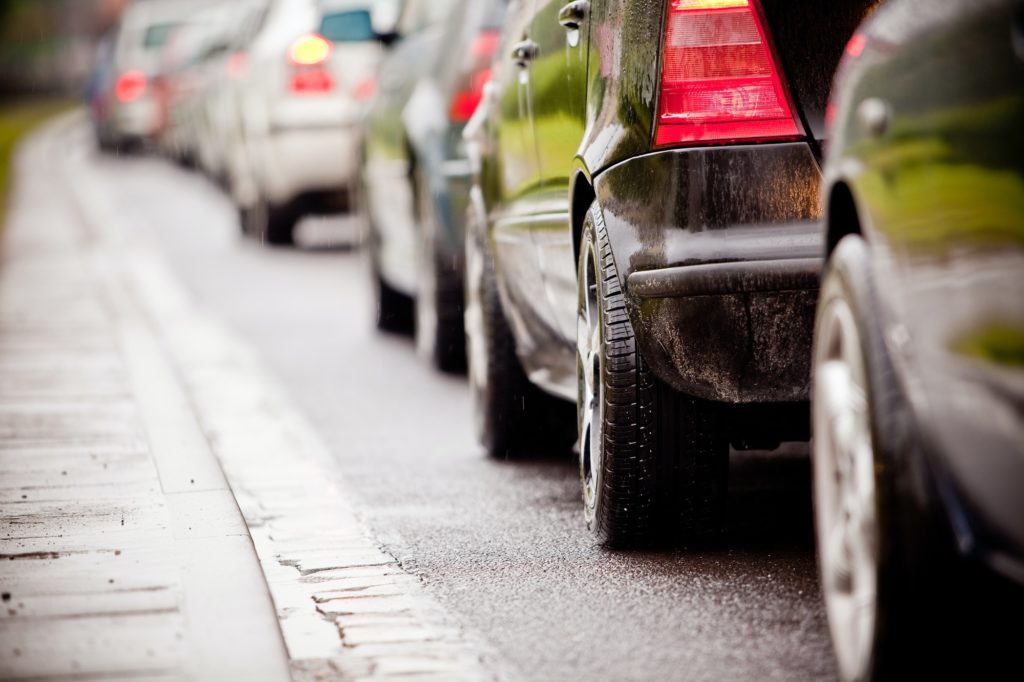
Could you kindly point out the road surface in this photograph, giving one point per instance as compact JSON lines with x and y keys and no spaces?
{"x":500,"y":545}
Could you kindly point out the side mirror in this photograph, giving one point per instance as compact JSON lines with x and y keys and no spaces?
{"x":388,"y":38}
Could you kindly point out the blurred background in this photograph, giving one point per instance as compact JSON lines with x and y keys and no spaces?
{"x":48,"y":46}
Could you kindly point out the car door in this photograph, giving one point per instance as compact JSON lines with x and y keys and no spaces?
{"x":558,"y":82}
{"x":512,"y":213}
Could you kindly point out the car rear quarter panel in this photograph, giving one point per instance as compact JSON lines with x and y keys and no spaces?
{"x":622,"y":90}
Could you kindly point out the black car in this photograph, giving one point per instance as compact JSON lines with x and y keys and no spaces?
{"x":919,"y":349}
{"x":645,"y":240}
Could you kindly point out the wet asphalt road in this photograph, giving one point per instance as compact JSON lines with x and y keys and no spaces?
{"x":500,"y":544}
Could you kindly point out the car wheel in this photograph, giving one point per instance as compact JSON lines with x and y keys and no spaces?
{"x":877,"y":553}
{"x":513,"y":418}
{"x":280,"y":225}
{"x":653,"y":462}
{"x":394,"y":309}
{"x":440,"y":335}
{"x":269,"y":223}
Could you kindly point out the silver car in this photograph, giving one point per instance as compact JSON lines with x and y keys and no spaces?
{"x":308,"y":67}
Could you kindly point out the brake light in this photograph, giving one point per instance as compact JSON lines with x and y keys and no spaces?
{"x":312,"y":82}
{"x":365,"y":89}
{"x":238,"y":64}
{"x":855,"y":47}
{"x":308,"y":56}
{"x":486,"y":45}
{"x":467,"y":99}
{"x":720,"y":81}
{"x":465,"y":102}
{"x":310,"y":50}
{"x":130,"y":86}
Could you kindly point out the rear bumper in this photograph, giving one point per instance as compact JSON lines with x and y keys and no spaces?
{"x":138,"y":120}
{"x":722,"y":277}
{"x":303,"y":160}
{"x":717,"y":279}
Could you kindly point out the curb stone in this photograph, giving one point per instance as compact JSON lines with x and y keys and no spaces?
{"x":346,"y":607}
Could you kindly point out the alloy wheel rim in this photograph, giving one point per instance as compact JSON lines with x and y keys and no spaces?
{"x":844,"y":489}
{"x":588,"y":372}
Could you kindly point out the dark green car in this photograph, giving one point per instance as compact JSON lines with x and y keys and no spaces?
{"x":644,"y":241}
{"x":918,"y":396}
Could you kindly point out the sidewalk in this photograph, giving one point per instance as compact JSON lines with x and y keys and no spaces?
{"x":164,"y":513}
{"x":124,"y":553}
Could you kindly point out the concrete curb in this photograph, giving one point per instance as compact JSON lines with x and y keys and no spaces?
{"x":346,"y":607}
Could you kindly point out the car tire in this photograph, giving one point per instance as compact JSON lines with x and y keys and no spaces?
{"x":269,"y":223}
{"x":105,"y":142}
{"x":653,"y":462}
{"x":440,"y":335}
{"x":280,"y":225}
{"x":394,"y":310}
{"x":513,"y":418}
{"x":879,"y":550}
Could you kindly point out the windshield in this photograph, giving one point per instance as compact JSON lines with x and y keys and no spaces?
{"x":156,"y":35}
{"x":348,"y":27}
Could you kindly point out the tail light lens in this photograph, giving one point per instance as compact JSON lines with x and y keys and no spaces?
{"x":312,"y":82}
{"x":465,"y":102}
{"x":365,"y":89}
{"x":238,"y":65}
{"x":130,"y":86}
{"x":308,"y":56}
{"x":720,"y":81}
{"x":467,"y":98}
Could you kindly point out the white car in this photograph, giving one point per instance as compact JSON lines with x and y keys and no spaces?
{"x":309,"y":67}
{"x":134,"y":111}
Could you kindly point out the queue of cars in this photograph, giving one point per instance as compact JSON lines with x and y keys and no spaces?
{"x":664,"y":230}
{"x":264,"y":95}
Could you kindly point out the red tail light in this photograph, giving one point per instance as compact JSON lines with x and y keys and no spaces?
{"x":465,"y":102}
{"x":467,"y":99}
{"x":720,"y":81}
{"x":130,"y":86}
{"x":313,"y":82}
{"x":308,"y":55}
{"x":238,"y":64}
{"x":855,"y":47}
{"x":365,"y":89}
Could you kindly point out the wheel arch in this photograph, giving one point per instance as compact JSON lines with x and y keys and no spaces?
{"x":581,"y":196}
{"x":842,"y":217}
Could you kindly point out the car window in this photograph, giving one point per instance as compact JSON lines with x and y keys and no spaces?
{"x":156,"y":36}
{"x":352,"y":26}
